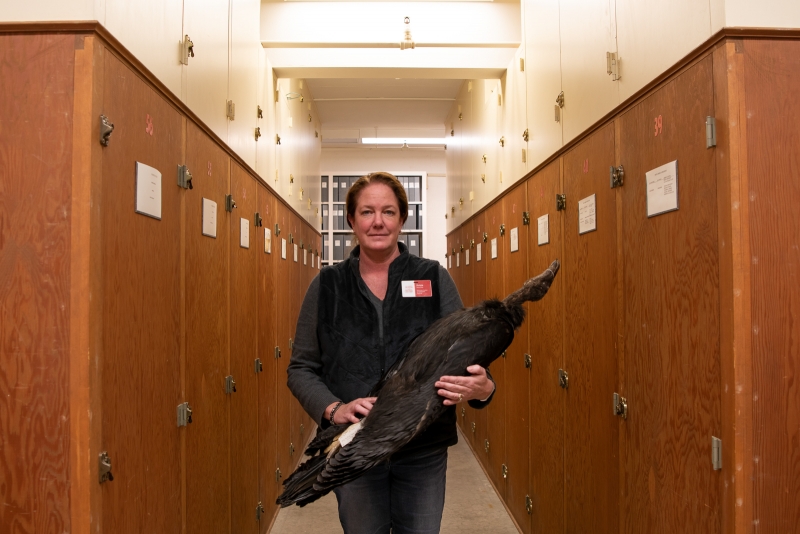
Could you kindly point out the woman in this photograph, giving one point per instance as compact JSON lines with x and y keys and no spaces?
{"x":355,"y":322}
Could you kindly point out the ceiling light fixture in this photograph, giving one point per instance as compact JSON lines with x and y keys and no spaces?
{"x":407,"y":41}
{"x":403,"y":141}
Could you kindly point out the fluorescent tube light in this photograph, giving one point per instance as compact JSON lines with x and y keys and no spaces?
{"x":402,"y":140}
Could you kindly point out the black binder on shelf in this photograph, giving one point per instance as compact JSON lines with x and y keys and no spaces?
{"x":344,"y":187}
{"x":413,"y":244}
{"x":325,"y":220}
{"x":325,"y":255}
{"x":324,"y":188}
{"x":411,"y":221}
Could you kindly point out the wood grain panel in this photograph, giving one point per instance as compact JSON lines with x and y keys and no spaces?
{"x":591,"y":451}
{"x":496,"y":411}
{"x":671,"y":299}
{"x":244,"y":340}
{"x":141,"y":311}
{"x":735,"y":365}
{"x":545,"y":325}
{"x":518,"y":377}
{"x":36,"y":81}
{"x":464,"y":285}
{"x":284,"y":330}
{"x":295,"y":299}
{"x":207,"y":340}
{"x":267,"y":379}
{"x":772,"y":83}
{"x":479,"y":292}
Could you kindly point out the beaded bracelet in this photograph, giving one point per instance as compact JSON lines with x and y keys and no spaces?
{"x":334,"y":411}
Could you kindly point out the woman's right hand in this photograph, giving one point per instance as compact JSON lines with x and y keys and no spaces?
{"x":353,"y":411}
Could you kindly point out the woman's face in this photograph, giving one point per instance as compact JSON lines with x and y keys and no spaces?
{"x":376,"y":222}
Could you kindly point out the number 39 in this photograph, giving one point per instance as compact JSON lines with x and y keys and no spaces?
{"x":657,"y":125}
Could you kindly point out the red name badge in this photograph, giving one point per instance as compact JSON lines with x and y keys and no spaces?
{"x":417,"y":288}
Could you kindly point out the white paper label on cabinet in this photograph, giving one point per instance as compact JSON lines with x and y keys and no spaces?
{"x":587,"y":214}
{"x":244,"y":234}
{"x":662,"y":189}
{"x":148,"y":191}
{"x":295,"y":252}
{"x":283,"y":248}
{"x":267,"y":240}
{"x":305,"y":256}
{"x":467,"y":257}
{"x":494,"y":248}
{"x":514,"y":239}
{"x":209,"y":218}
{"x":449,"y":262}
{"x":478,"y":252}
{"x":543,"y":223}
{"x":458,"y":260}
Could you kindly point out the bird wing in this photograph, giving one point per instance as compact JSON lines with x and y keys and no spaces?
{"x":409,"y":403}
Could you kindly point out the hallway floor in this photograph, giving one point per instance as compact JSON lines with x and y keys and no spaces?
{"x":471,"y":504}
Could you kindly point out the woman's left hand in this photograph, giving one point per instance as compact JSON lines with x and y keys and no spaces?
{"x":455,"y":389}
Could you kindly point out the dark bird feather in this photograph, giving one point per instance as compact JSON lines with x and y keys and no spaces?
{"x":407,"y":401}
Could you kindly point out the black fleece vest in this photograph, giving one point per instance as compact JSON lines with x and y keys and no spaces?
{"x":353,"y":358}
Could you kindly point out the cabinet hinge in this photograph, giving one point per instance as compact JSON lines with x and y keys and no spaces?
{"x":259,"y":112}
{"x":291,"y":449}
{"x":527,"y":361}
{"x":184,"y":414}
{"x":258,"y":366}
{"x":716,"y":453}
{"x":563,"y":379}
{"x":104,"y":473}
{"x":711,"y":132}
{"x":473,"y":427}
{"x":486,"y":445}
{"x":106,"y":127}
{"x":505,"y":471}
{"x":257,"y":133}
{"x":184,"y":177}
{"x":616,"y":176}
{"x":187,"y":49}
{"x":620,"y":406}
{"x":561,"y":202}
{"x":259,"y":511}
{"x":278,"y":474}
{"x":230,"y":110}
{"x":612,"y":66}
{"x":525,"y":135}
{"x":230,"y":385}
{"x":528,"y":504}
{"x":277,"y":352}
{"x":463,"y":412}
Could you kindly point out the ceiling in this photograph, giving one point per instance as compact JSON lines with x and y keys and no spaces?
{"x":350,"y":56}
{"x":383,"y":103}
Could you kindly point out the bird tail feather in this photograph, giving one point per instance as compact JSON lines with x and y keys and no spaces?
{"x":299,"y":486}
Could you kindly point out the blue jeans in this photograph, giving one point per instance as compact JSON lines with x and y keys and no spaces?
{"x":403,"y":497}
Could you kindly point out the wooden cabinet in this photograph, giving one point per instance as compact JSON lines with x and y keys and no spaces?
{"x":134,"y":314}
{"x":685,"y":314}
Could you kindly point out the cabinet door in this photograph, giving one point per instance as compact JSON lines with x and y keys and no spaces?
{"x":244,"y":73}
{"x":244,"y":340}
{"x":589,"y":272}
{"x":476,"y":419}
{"x":493,"y":446}
{"x":268,"y":253}
{"x":518,"y":377}
{"x":588,"y":31}
{"x":671,"y":369}
{"x":284,"y":330}
{"x":142,"y":310}
{"x":207,"y":338}
{"x":545,"y":324}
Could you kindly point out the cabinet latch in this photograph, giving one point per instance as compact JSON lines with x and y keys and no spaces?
{"x":184,"y":414}
{"x":104,"y":472}
{"x":620,"y":406}
{"x":184,"y":177}
{"x":563,"y":379}
{"x":527,"y":361}
{"x":561,"y":202}
{"x":106,"y":127}
{"x":230,"y":385}
{"x":258,"y":365}
{"x":616,"y":176}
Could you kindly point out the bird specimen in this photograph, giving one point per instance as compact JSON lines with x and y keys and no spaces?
{"x":407,"y":400}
